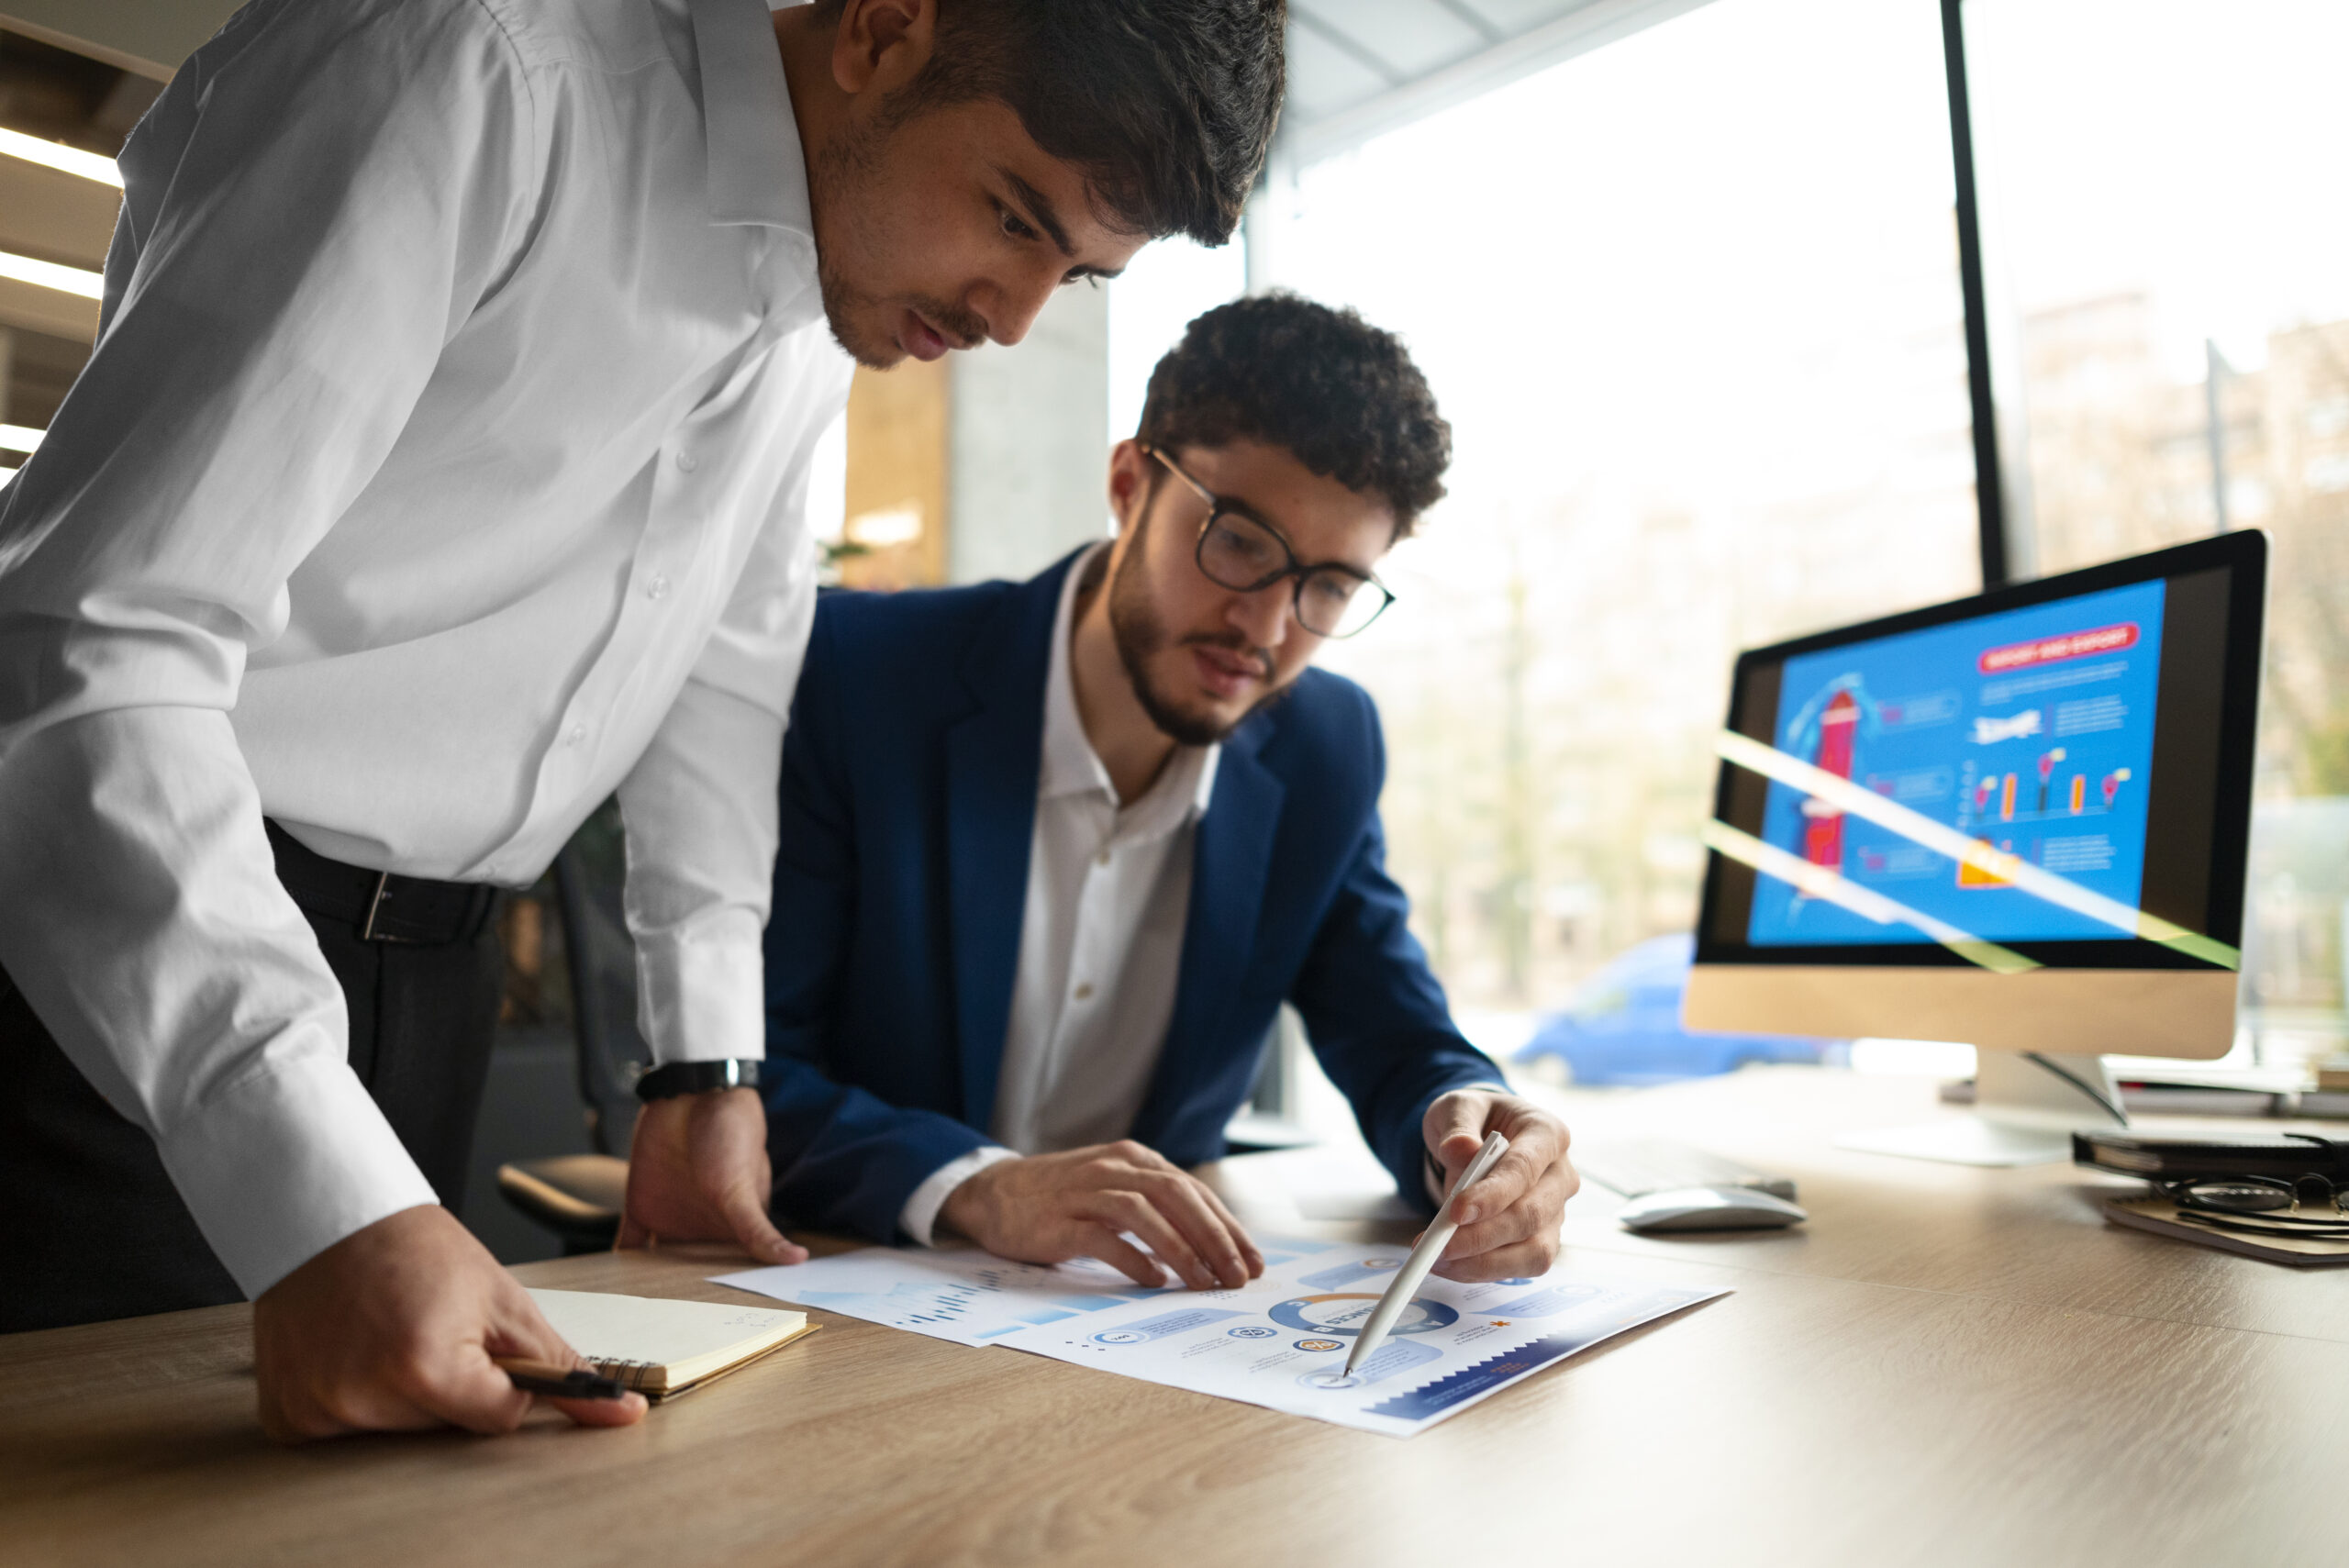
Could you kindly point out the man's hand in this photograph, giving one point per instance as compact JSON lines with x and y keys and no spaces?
{"x":1508,"y":1220}
{"x":1048,"y":1208}
{"x":698,"y":1171}
{"x":392,"y":1327}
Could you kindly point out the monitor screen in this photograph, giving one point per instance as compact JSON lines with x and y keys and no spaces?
{"x":2033,"y":769}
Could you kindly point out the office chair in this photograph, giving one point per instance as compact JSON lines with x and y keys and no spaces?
{"x":579,"y":1196}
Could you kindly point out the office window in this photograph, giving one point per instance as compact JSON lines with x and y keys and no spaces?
{"x":2168,"y":256}
{"x":1691,"y":303}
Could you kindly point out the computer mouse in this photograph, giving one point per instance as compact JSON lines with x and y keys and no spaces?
{"x":1708,"y":1208}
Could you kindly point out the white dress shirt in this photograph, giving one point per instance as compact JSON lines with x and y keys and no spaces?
{"x":442,"y":468}
{"x":1100,"y":941}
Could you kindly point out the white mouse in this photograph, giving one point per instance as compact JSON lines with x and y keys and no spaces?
{"x":1708,"y":1208}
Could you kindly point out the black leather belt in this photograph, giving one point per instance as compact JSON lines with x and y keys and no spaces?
{"x":379,"y":907}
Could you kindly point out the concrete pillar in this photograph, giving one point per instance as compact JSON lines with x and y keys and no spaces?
{"x":1030,"y":443}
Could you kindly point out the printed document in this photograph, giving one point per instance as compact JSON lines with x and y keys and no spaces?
{"x":1279,"y":1341}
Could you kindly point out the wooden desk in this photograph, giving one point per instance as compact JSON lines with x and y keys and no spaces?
{"x":1946,"y":1366}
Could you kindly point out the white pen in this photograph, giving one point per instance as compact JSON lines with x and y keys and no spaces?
{"x":1424,"y":1256}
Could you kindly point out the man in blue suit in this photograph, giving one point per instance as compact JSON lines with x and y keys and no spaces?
{"x":1054,"y":852}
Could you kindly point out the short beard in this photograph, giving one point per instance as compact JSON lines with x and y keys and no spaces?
{"x":845,"y":166}
{"x":1139,"y":634}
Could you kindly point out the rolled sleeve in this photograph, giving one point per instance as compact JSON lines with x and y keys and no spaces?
{"x":701,"y":811}
{"x":320,"y":195}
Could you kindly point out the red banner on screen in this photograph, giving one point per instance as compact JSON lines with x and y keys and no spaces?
{"x":2050,"y":650}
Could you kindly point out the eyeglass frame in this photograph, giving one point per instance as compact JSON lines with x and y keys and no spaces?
{"x":2190,"y":1204}
{"x":1218,"y":505}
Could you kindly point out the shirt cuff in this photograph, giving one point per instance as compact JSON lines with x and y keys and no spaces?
{"x":287,"y":1163}
{"x":918,"y":1218}
{"x":702,"y":1001}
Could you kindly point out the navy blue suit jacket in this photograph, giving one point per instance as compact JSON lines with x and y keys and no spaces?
{"x":909,"y":778}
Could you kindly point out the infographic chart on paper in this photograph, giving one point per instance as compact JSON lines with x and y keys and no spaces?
{"x":1280,"y":1342}
{"x":958,"y":1294}
{"x":2031,"y":732}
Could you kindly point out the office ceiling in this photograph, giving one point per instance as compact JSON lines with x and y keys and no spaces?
{"x":1357,"y":68}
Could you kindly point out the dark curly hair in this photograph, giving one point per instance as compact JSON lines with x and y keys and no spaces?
{"x":1168,"y":107}
{"x":1339,"y":393}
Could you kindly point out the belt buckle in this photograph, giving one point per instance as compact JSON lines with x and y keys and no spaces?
{"x":375,"y":904}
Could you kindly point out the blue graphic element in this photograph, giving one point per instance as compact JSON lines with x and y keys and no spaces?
{"x":1165,"y":1323}
{"x":1046,"y":1316}
{"x":1544,"y":1303}
{"x":1091,"y":1303}
{"x":1252,"y":1331}
{"x":1394,"y":1356}
{"x":1992,"y":753}
{"x":1346,"y":1314}
{"x":1347,"y":1274}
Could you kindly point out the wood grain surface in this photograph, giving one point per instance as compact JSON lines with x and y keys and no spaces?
{"x":1945,"y":1367}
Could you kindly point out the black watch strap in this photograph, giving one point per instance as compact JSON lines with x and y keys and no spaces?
{"x":696,"y":1078}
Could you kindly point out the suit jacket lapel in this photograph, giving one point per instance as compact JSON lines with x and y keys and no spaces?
{"x":1231,"y":853}
{"x":994,"y":758}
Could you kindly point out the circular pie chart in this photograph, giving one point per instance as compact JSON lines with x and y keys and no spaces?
{"x":1346,"y":1312}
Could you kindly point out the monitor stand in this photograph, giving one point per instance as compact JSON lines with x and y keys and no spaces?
{"x":2025,"y":1110}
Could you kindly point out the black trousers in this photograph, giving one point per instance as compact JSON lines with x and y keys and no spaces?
{"x":90,"y":1227}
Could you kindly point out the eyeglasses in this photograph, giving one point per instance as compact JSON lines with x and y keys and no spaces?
{"x":2262,"y":1205}
{"x":1246,"y":554}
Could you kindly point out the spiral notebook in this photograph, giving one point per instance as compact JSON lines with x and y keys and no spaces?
{"x":663,"y":1349}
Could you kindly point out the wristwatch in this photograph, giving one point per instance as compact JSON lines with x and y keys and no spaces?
{"x":676,"y":1078}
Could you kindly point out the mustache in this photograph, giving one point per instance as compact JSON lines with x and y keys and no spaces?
{"x":964,"y":328}
{"x":1232,"y":642}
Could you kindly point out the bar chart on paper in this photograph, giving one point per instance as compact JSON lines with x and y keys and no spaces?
{"x":960,"y":1294}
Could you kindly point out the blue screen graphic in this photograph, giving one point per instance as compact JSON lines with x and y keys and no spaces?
{"x":2032,"y":730}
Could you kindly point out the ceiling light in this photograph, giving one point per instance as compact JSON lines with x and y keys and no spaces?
{"x":50,"y":275}
{"x":57,"y":155}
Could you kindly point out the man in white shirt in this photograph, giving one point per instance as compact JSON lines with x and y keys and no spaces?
{"x":1063,"y":848}
{"x":440,"y":470}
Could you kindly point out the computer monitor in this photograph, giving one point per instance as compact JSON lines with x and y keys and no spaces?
{"x":2020,"y":820}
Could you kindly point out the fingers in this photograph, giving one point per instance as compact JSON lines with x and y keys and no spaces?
{"x":1511,"y":1177}
{"x":1184,"y":1202}
{"x":1525,"y":1260}
{"x":631,"y":1235}
{"x":1250,"y":1252}
{"x":757,"y":1233}
{"x":1131,"y":1213}
{"x":624,"y":1411}
{"x":1454,"y":1129}
{"x":521,"y":1330}
{"x":1103,"y":1242}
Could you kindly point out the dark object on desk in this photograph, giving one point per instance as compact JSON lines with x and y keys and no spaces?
{"x":2161,"y":1216}
{"x":558,"y":1382}
{"x":2187,"y":1159}
{"x":1639,"y":1165}
{"x":2145,"y":1097}
{"x":1708,"y":1208}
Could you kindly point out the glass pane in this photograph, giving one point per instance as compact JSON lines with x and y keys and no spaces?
{"x":1691,"y":304}
{"x":2169,"y":258}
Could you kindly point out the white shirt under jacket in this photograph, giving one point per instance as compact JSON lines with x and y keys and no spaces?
{"x":1100,"y":941}
{"x":442,"y":468}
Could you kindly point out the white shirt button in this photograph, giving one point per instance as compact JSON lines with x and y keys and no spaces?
{"x":1085,"y":992}
{"x":688,"y":461}
{"x":578,"y":733}
{"x":656,"y":586}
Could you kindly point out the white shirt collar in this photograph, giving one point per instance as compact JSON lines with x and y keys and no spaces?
{"x":1184,"y":786}
{"x":758,"y":171}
